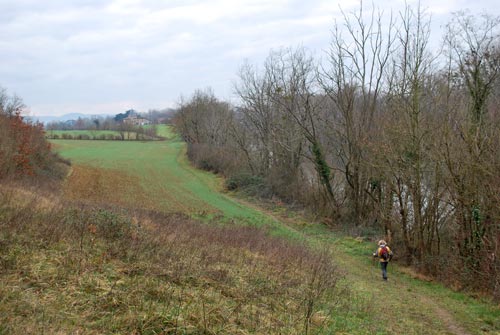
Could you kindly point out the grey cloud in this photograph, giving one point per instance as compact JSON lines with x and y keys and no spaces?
{"x":92,"y":54}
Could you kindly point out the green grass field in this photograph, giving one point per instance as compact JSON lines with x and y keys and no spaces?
{"x":166,"y":179}
{"x":163,"y":180}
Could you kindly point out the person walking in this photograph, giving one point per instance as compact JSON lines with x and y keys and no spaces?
{"x":384,"y":255}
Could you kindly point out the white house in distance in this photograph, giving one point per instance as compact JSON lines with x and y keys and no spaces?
{"x":136,"y":120}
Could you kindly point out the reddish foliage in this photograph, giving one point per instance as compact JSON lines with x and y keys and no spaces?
{"x":23,"y":148}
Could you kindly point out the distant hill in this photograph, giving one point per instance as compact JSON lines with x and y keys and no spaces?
{"x":71,"y":116}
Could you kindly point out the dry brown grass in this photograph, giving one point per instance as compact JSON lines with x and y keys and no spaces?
{"x":93,"y":185}
{"x":88,"y":269}
{"x":415,"y":274}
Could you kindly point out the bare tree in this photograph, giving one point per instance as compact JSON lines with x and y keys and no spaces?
{"x":354,"y":81}
{"x":279,"y":142}
{"x":205,"y":123}
{"x":295,"y":90}
{"x":257,"y":114}
{"x":471,"y":146}
{"x":415,"y":175}
{"x":474,"y":49}
{"x":10,"y":104}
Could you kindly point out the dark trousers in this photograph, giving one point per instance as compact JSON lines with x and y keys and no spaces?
{"x":383,"y":265}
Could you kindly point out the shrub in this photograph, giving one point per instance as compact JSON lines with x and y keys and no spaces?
{"x":111,"y":225}
{"x":83,"y":137}
{"x":243,"y":181}
{"x":24,"y":150}
{"x":223,"y":160}
{"x":67,"y":136}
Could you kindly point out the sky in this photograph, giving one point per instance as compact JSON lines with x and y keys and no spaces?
{"x":104,"y":57}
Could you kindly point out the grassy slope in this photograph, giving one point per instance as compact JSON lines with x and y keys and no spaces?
{"x":165,"y":177}
{"x":66,"y":269}
{"x":168,"y":183}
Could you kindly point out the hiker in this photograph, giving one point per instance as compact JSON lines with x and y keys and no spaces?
{"x":384,"y":254}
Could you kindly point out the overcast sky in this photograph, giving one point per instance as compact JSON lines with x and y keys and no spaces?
{"x":98,"y":56}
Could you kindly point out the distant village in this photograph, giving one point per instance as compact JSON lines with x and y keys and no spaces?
{"x":136,"y":120}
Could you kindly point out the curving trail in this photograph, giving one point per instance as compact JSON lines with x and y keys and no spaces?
{"x":157,"y":176}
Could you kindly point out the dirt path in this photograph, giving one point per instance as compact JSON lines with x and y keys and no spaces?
{"x":445,"y":316}
{"x":423,"y":310}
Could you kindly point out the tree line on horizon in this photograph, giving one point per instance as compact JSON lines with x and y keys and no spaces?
{"x":382,"y":136}
{"x":124,"y":131}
